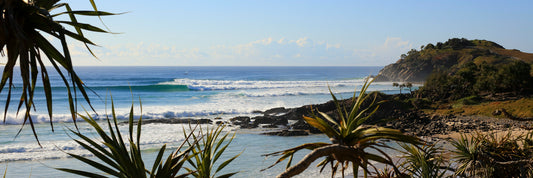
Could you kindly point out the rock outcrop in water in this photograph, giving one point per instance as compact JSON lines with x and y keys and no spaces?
{"x":281,"y":116}
{"x":397,"y":112}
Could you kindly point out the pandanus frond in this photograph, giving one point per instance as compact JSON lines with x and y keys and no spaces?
{"x":423,"y":161}
{"x":24,"y":28}
{"x":350,"y":138}
{"x":122,"y":158}
{"x":207,"y":152}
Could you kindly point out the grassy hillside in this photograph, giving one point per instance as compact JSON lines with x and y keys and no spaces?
{"x":522,"y":108}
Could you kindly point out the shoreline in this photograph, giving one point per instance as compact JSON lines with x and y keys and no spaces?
{"x":282,"y":121}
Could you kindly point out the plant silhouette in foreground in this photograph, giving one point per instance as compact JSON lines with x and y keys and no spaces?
{"x":386,"y":172}
{"x":350,"y":139}
{"x":122,"y":158}
{"x":25,"y":29}
{"x":426,"y":161}
{"x":467,"y":155}
{"x":493,"y":155}
{"x":208,"y":151}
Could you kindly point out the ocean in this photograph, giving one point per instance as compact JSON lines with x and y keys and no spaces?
{"x":175,"y":92}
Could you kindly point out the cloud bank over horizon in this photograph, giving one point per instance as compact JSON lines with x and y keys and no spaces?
{"x":264,"y":52}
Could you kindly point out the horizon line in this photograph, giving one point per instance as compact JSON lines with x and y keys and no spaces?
{"x":215,"y":66}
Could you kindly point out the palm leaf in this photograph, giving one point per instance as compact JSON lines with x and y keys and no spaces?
{"x":87,"y":13}
{"x":118,"y":159}
{"x":81,"y":173}
{"x":322,"y":126}
{"x":84,"y":26}
{"x":214,"y":144}
{"x":23,"y":23}
{"x":331,"y":120}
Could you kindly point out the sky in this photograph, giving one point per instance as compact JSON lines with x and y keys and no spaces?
{"x":293,"y":32}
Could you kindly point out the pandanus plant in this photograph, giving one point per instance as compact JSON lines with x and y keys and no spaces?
{"x":351,"y":139}
{"x":208,"y":151}
{"x":121,"y":156}
{"x":25,"y":30}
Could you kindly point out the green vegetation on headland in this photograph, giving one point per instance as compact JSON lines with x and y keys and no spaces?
{"x":480,"y":85}
{"x":466,"y":77}
{"x":481,"y":80}
{"x":449,"y":57}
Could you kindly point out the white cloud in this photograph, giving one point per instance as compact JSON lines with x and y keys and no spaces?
{"x":78,"y":49}
{"x":281,"y":40}
{"x":333,"y":46}
{"x":395,"y":43}
{"x":302,"y":42}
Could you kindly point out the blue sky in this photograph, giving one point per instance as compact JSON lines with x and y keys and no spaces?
{"x":294,"y":32}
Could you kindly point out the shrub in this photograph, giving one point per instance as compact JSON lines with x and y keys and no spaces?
{"x":425,"y":161}
{"x":208,"y":151}
{"x":490,"y":155}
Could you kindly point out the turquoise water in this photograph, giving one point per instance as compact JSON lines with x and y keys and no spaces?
{"x":170,"y":92}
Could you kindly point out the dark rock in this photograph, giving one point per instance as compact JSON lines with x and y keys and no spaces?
{"x":243,"y":122}
{"x":288,"y":133}
{"x":272,"y":120}
{"x":297,"y":113}
{"x":257,"y":112}
{"x":302,"y":125}
{"x":240,"y":119}
{"x":275,"y":111}
{"x":269,"y":126}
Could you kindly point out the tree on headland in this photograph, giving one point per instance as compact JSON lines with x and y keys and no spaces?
{"x":410,"y":86}
{"x":25,"y":31}
{"x":397,"y":85}
{"x":403,"y":85}
{"x":479,"y":79}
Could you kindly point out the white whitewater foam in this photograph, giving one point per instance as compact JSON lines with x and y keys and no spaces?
{"x":255,"y":84}
{"x":152,"y":137}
